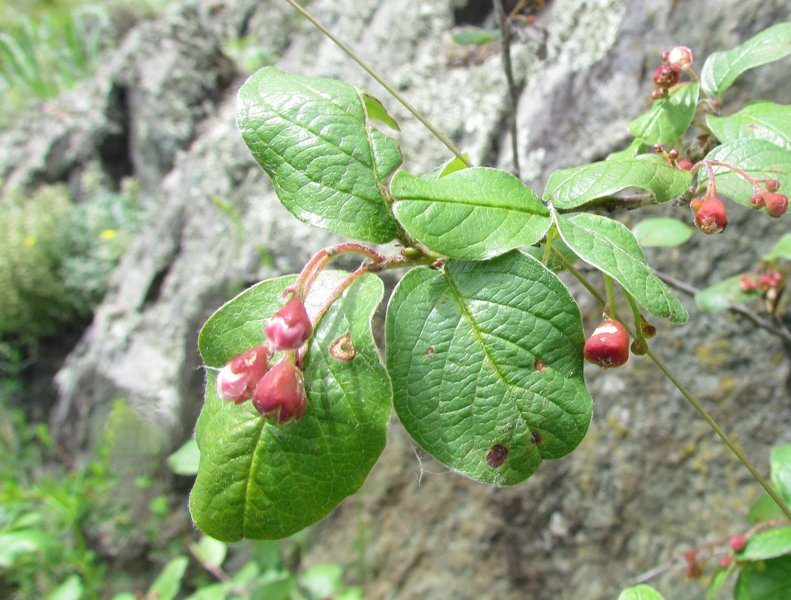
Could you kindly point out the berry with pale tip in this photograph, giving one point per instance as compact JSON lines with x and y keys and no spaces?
{"x":608,"y":345}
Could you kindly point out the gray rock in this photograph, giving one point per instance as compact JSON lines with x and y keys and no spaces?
{"x":649,"y":481}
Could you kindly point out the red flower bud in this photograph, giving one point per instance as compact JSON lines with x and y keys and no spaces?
{"x":737,"y":543}
{"x":772,"y":185}
{"x":711,"y":216}
{"x":665,"y":77}
{"x":684,"y":164}
{"x":776,"y":204}
{"x":757,"y":200}
{"x":280,"y":394}
{"x":679,"y":58}
{"x":236,"y":381}
{"x":725,"y":562}
{"x":608,"y":345}
{"x":290,"y":327}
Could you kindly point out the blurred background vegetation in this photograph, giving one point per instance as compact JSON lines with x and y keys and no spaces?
{"x":114,"y":525}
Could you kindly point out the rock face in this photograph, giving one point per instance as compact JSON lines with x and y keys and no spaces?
{"x":649,"y":481}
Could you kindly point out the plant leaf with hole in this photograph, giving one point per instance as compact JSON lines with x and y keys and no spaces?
{"x":722,"y":68}
{"x":664,"y":232}
{"x":610,"y":247}
{"x":758,"y":158}
{"x":571,"y":188}
{"x":473,"y":213}
{"x":486,"y":361}
{"x":722,"y":295}
{"x":764,"y":580}
{"x":763,"y":120}
{"x":668,"y":118}
{"x":262,"y":480}
{"x":327,"y":163}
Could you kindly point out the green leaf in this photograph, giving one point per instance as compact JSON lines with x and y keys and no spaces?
{"x":185,"y":460}
{"x":640,"y":592}
{"x":781,"y":249}
{"x":262,"y":480}
{"x":610,"y":247}
{"x":722,"y":68}
{"x":486,"y":361}
{"x":570,"y":188}
{"x":661,"y":232}
{"x":209,"y":552}
{"x":474,"y":213}
{"x":322,"y":581}
{"x":767,"y":544}
{"x":71,"y":589}
{"x":722,"y":295}
{"x":668,"y":118}
{"x":475,"y":37}
{"x":554,"y":263}
{"x":168,"y":582}
{"x":764,"y":509}
{"x":16,"y":544}
{"x":780,"y":468}
{"x":375,"y":110}
{"x":215,"y":591}
{"x":764,"y":580}
{"x":763,"y":120}
{"x":759,"y":158}
{"x":718,"y":581}
{"x":326,"y":161}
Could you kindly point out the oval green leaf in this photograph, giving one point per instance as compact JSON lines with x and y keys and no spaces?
{"x":781,"y":249}
{"x":473,"y":214}
{"x":640,"y":592}
{"x":767,"y":544}
{"x":764,"y":580}
{"x":610,"y":247}
{"x":722,"y":68}
{"x":759,"y":158}
{"x":668,"y":118}
{"x":722,"y":295}
{"x":259,"y":480}
{"x":313,"y":138}
{"x":780,"y":468}
{"x":659,"y":232}
{"x":486,"y":361}
{"x":763,"y":120}
{"x":571,"y":188}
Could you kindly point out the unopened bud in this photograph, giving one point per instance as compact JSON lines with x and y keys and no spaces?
{"x":711,"y":216}
{"x":290,"y":327}
{"x":280,"y":395}
{"x":680,"y":58}
{"x":237,"y":380}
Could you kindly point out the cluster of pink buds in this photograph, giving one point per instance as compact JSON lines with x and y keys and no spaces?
{"x":278,"y":391}
{"x":764,"y":279}
{"x":710,"y":214}
{"x":775,"y":204}
{"x":677,"y":60}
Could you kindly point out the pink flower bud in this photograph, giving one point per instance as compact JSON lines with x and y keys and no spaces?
{"x":290,"y":327}
{"x":236,"y":381}
{"x":776,"y":204}
{"x":680,"y":58}
{"x":665,"y":77}
{"x":711,"y":216}
{"x":280,"y":394}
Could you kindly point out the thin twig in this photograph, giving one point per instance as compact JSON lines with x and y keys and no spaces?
{"x":776,"y":329}
{"x":513,"y":89}
{"x":368,"y":69}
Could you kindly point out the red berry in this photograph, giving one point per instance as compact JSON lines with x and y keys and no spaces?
{"x":725,"y":562}
{"x":679,"y":58}
{"x":772,"y":185}
{"x":290,"y":327}
{"x":684,"y":164}
{"x":236,"y":381}
{"x":280,"y":395}
{"x":711,"y":216}
{"x":776,"y":204}
{"x":665,"y":77}
{"x":737,"y":543}
{"x":608,"y":345}
{"x":757,"y":200}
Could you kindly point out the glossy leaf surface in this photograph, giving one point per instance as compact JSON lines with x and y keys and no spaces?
{"x":756,"y":157}
{"x":610,"y":247}
{"x":473,"y":213}
{"x":661,"y":232}
{"x":313,"y":138}
{"x":764,"y":120}
{"x":767,"y":544}
{"x":668,"y":118}
{"x":722,"y":68}
{"x":486,"y":360}
{"x":570,"y":188}
{"x":262,"y":480}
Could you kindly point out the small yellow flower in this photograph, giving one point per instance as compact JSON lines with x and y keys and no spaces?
{"x":30,"y":240}
{"x":108,"y":234}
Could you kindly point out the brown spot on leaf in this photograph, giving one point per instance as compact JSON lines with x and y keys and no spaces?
{"x":536,"y":436}
{"x":430,"y":351}
{"x":540,"y":364}
{"x":496,"y":456}
{"x":343,"y":349}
